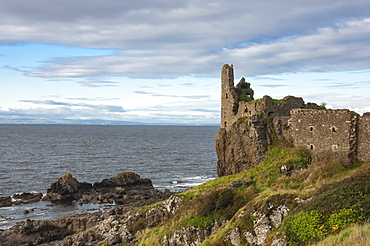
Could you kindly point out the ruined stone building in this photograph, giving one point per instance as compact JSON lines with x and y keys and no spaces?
{"x":249,"y":126}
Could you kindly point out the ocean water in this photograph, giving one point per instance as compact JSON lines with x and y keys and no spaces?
{"x":34,"y":156}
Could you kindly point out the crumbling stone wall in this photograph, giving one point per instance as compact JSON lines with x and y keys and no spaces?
{"x":249,"y":127}
{"x":363,"y":150}
{"x":329,"y":131}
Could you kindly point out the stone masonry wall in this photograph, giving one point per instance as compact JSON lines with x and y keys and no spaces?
{"x":363,"y":150}
{"x":329,"y":131}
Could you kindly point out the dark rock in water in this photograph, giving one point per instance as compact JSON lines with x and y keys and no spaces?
{"x":5,"y":201}
{"x":85,"y":186}
{"x":126,"y":180}
{"x":65,"y":185}
{"x":64,"y":190}
{"x":28,"y":197}
{"x":120,"y":189}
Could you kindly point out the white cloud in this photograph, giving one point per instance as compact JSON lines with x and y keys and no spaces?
{"x":342,"y":48}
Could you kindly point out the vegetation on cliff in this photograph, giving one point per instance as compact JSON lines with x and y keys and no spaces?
{"x":316,"y":199}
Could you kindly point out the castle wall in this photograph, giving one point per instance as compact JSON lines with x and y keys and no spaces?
{"x":248,"y":128}
{"x":363,"y":150}
{"x":332,"y":132}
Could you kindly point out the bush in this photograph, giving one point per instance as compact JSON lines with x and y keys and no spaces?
{"x":342,"y":218}
{"x":304,"y":227}
{"x":199,"y":221}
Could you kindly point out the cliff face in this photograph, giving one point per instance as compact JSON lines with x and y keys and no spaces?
{"x":240,"y":147}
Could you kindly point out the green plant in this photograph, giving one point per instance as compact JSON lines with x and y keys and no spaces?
{"x":342,"y":218}
{"x":322,"y":106}
{"x":278,"y":101}
{"x":245,"y":120}
{"x":355,"y":235}
{"x":199,"y":221}
{"x":304,"y":227}
{"x":244,"y":98}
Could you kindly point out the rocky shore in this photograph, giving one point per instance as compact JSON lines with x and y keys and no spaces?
{"x":126,"y":190}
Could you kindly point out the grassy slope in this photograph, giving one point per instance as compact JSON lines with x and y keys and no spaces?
{"x":340,"y":197}
{"x":354,"y":235}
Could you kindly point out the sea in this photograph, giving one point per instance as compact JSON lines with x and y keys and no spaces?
{"x":32,"y":157}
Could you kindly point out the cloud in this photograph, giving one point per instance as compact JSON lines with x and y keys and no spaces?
{"x":93,"y":98}
{"x":47,"y":102}
{"x":169,"y":39}
{"x":105,"y":108}
{"x":15,"y":69}
{"x":344,"y":85}
{"x":206,"y":110}
{"x":95,"y":83}
{"x":341,"y":48}
{"x":272,"y":85}
{"x":188,"y":84}
{"x":168,"y":24}
{"x":143,"y":92}
{"x":167,"y":95}
{"x":267,"y":78}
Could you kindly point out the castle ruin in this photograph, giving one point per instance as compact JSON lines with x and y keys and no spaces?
{"x":249,"y":126}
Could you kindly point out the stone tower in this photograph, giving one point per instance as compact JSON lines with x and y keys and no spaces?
{"x":229,"y":98}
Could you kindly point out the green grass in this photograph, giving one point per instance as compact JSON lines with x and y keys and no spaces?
{"x":355,"y":235}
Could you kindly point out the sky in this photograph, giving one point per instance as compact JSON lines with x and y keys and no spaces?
{"x":159,"y":61}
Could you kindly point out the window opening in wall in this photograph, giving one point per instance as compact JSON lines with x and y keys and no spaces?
{"x":311,"y":147}
{"x":225,"y":124}
{"x":227,"y":96}
{"x":334,"y":129}
{"x":311,"y":128}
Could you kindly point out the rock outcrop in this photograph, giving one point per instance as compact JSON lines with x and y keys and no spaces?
{"x":262,"y":219}
{"x":5,"y":201}
{"x":32,"y":232}
{"x":120,"y":225}
{"x":189,"y":236}
{"x":18,"y":199}
{"x":119,"y":190}
{"x":64,"y":190}
{"x":27,"y":197}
